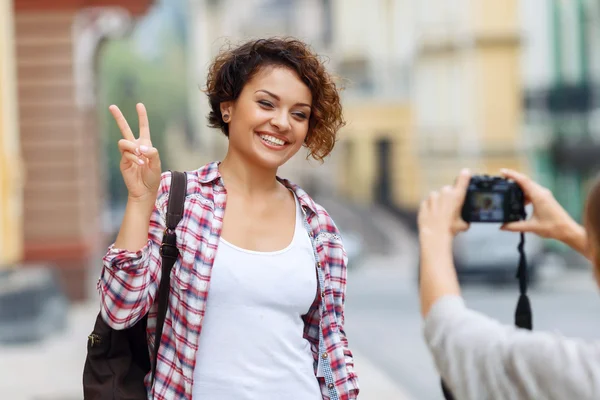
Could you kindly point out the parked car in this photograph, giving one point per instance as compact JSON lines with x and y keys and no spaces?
{"x":33,"y":305}
{"x":487,"y":252}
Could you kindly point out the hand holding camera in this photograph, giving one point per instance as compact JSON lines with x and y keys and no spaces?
{"x":440,"y":214}
{"x":549,"y":219}
{"x":499,"y":199}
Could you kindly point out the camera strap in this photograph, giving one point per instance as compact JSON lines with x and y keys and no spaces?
{"x":523,"y":315}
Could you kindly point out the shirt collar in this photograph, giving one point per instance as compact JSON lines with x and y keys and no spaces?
{"x":210,"y":173}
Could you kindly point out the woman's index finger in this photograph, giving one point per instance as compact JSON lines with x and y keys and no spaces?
{"x":121,"y":123}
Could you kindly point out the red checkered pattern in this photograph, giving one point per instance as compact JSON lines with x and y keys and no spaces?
{"x":129,"y":282}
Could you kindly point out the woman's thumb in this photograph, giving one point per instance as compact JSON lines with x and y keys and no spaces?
{"x":518,"y":226}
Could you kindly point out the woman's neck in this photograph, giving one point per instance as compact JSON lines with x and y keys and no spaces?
{"x":247,"y":178}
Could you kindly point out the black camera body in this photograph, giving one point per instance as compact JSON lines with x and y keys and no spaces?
{"x":493,"y":199}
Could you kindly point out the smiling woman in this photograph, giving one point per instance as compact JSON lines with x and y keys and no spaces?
{"x":272,"y":258}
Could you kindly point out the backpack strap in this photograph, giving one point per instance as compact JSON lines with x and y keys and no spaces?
{"x":169,"y":253}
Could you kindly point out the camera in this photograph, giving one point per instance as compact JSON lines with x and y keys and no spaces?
{"x":493,"y":199}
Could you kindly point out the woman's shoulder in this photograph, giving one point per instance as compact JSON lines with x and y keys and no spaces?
{"x":205,"y":174}
{"x":319,"y":218}
{"x":197,"y":182}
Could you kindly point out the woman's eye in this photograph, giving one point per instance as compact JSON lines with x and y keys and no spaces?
{"x":300,"y":115}
{"x":265,"y":103}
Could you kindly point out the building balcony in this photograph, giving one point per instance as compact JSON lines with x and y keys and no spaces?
{"x":579,"y":154}
{"x":562,"y":99}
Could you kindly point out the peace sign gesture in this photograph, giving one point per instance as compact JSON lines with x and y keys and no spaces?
{"x":140,"y":163}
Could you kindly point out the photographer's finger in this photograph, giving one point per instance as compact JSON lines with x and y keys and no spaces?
{"x":121,"y":123}
{"x":518,"y":226}
{"x":433,"y":197}
{"x":461,"y":226}
{"x":525,"y":182}
{"x":462,"y":184}
{"x":447,"y":189}
{"x":133,"y":158}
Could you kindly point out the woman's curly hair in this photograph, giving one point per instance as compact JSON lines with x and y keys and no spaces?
{"x":234,"y":67}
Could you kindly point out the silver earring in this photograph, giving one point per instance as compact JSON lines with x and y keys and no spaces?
{"x":225,"y":117}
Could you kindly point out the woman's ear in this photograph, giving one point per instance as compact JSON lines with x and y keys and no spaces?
{"x":226,"y":110}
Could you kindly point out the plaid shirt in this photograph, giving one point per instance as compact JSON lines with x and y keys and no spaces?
{"x":129,"y":282}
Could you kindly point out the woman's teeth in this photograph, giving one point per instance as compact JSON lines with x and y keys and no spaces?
{"x":272,"y":140}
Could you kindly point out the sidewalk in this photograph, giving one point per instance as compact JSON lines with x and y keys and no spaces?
{"x":52,"y":370}
{"x":374,"y":383}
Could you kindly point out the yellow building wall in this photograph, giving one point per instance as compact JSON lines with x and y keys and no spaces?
{"x":500,"y":98}
{"x":492,"y":16}
{"x":492,"y":98}
{"x":367,"y":123}
{"x":11,"y":246}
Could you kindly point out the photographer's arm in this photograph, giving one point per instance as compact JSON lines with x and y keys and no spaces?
{"x":439,"y":220}
{"x":438,"y":275}
{"x":478,"y":357}
{"x":574,"y":235}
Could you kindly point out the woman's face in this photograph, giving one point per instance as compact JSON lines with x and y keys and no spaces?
{"x":269,"y":121}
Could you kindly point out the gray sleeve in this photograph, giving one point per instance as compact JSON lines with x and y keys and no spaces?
{"x":479,"y":358}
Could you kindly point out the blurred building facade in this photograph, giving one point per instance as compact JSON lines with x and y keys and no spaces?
{"x":467,"y":93}
{"x":449,"y":75}
{"x":55,"y":45}
{"x":372,"y":48}
{"x":562,"y":105}
{"x":11,"y":237}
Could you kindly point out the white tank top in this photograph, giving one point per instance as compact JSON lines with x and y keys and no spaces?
{"x":252,"y":345}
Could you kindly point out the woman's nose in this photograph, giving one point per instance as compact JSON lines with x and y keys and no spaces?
{"x":281,"y":121}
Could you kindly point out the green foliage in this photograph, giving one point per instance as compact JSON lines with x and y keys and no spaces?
{"x":127,"y":77}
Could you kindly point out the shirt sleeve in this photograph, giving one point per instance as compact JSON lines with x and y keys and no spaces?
{"x":129,"y":280}
{"x":339,"y":298}
{"x":480,"y":358}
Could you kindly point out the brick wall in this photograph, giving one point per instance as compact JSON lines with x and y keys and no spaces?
{"x":60,"y":147}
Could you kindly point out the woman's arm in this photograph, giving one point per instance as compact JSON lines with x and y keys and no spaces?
{"x":132,"y":266}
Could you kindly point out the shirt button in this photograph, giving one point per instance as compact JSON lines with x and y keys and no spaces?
{"x":330,"y":386}
{"x":324,"y":356}
{"x":318,"y":265}
{"x":322,"y":293}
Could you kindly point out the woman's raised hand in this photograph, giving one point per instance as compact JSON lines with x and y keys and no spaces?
{"x":140,"y":162}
